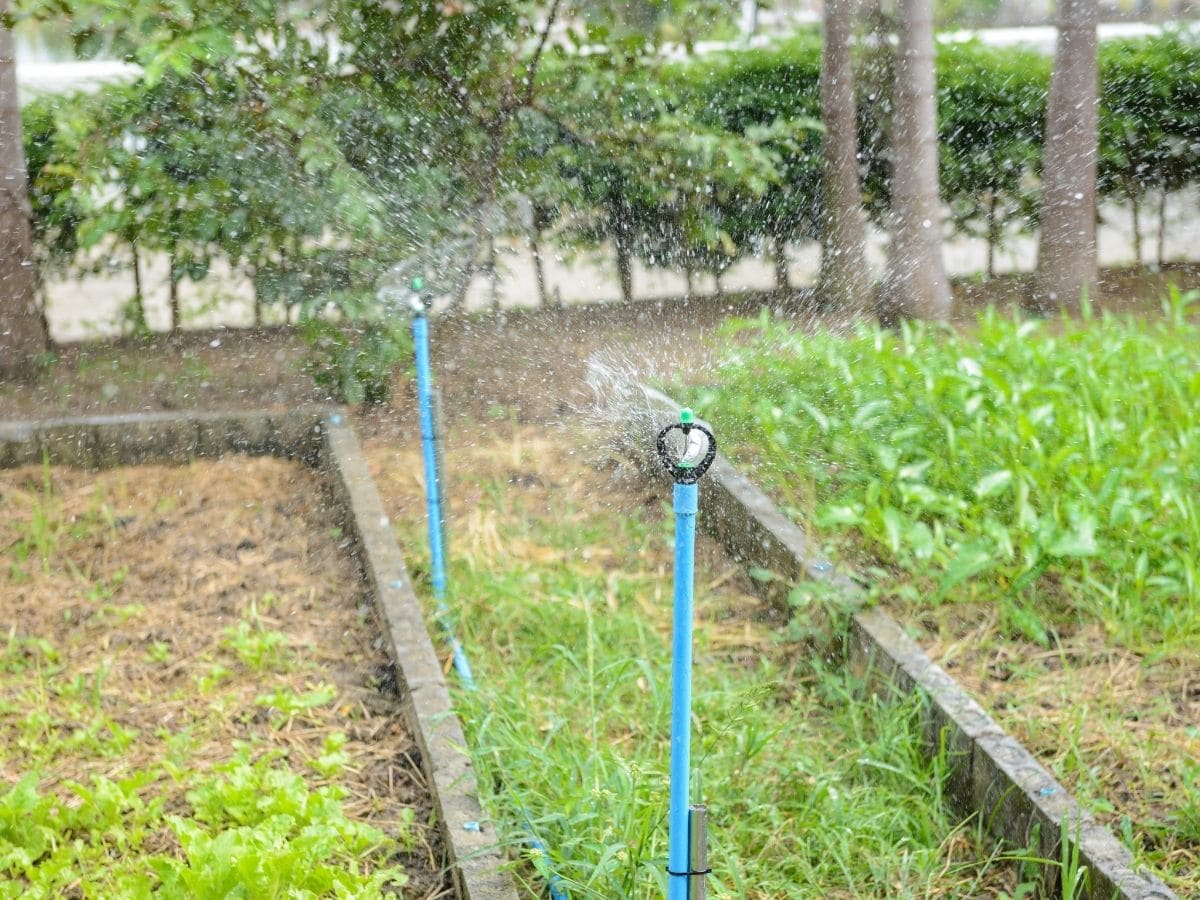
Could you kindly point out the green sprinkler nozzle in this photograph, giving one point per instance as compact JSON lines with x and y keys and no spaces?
{"x":686,"y":416}
{"x":417,"y":303}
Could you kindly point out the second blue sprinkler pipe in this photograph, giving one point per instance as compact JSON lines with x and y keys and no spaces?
{"x":687,"y":855}
{"x":433,"y":499}
{"x":437,"y":532}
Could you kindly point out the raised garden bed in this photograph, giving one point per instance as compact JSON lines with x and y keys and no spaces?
{"x":560,"y":579}
{"x":191,"y":691}
{"x":229,"y":648}
{"x":996,"y":493}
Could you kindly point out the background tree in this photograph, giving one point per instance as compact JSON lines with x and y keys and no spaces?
{"x":915,"y":283}
{"x":22,"y":329}
{"x":771,"y":98}
{"x":657,"y":172}
{"x":992,"y":109}
{"x":1066,"y":259}
{"x":845,"y":280}
{"x":1149,"y":128}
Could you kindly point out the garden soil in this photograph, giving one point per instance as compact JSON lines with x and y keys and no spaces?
{"x":143,"y":575}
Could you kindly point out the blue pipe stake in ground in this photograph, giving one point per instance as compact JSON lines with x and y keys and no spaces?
{"x":686,"y":455}
{"x":437,"y":547}
{"x":433,"y":500}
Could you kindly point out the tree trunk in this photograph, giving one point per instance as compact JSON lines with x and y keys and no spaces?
{"x":493,"y":275}
{"x":993,"y":235}
{"x":140,"y":326}
{"x":915,"y":284}
{"x":539,"y":268}
{"x":844,"y":281}
{"x":22,"y":330}
{"x":1161,"y":237}
{"x":782,"y":278}
{"x":173,"y":290}
{"x":173,"y":275}
{"x":624,"y":264}
{"x":1066,"y":260}
{"x":1135,"y":208}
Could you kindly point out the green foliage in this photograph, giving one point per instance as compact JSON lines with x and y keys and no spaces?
{"x":356,"y":359}
{"x":290,"y":704}
{"x":256,"y":829}
{"x":769,"y":96}
{"x":1149,"y":117}
{"x":1008,"y":465}
{"x":51,"y":154}
{"x":258,"y":648}
{"x":992,"y":112}
{"x":318,"y":175}
{"x":641,"y":167}
{"x":41,"y":533}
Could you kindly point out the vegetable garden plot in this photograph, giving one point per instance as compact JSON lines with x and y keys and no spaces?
{"x":190,"y":693}
{"x":560,"y":576}
{"x":1025,"y":496}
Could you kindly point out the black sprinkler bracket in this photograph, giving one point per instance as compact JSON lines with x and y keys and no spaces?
{"x":687,"y":468}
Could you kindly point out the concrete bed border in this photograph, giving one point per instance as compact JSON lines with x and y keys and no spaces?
{"x":321,"y":438}
{"x":992,"y":775}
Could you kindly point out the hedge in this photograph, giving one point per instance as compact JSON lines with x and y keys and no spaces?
{"x":991,"y":106}
{"x":696,"y":164}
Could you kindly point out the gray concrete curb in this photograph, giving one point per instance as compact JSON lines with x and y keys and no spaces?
{"x":991,"y":775}
{"x":470,"y":837}
{"x":321,"y":438}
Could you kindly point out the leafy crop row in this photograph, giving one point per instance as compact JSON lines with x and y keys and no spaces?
{"x":1054,"y":470}
{"x":256,"y":830}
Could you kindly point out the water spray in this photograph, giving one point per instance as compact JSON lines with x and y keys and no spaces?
{"x":687,"y":860}
{"x":433,"y":500}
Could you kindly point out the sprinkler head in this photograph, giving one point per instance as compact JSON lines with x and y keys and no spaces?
{"x":699,"y":449}
{"x":418,"y":304}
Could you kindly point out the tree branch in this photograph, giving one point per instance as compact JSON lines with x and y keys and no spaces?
{"x":535,"y":61}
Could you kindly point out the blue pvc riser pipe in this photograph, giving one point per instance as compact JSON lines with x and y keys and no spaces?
{"x":437,"y":547}
{"x":678,"y":862}
{"x":433,"y":501}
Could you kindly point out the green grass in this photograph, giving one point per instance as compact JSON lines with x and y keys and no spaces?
{"x":813,"y":790}
{"x":1054,"y":471}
